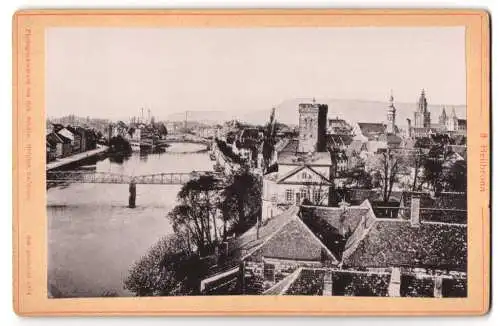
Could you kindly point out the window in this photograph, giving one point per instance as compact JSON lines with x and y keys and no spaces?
{"x":317,"y":196}
{"x":303,"y":193}
{"x":289,"y":195}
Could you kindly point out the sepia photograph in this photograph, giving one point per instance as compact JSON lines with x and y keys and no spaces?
{"x":256,"y":161}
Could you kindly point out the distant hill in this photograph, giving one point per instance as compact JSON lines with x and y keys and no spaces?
{"x":206,"y":117}
{"x":350,"y":110}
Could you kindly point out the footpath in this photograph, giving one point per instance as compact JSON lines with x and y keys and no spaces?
{"x":75,"y":158}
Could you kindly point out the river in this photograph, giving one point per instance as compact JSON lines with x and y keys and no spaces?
{"x":93,"y":237}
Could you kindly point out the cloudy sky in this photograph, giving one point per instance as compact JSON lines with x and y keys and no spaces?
{"x":113,"y":72}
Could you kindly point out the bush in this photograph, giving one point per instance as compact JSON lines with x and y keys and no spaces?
{"x":166,"y":269}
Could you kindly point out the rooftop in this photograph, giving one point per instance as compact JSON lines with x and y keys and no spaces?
{"x":290,"y":155}
{"x":284,"y":236}
{"x":371,"y":130}
{"x":396,"y":243}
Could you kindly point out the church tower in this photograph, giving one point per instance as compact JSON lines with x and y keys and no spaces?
{"x":443,"y":118}
{"x":308,"y":127}
{"x":452,"y":121}
{"x":422,"y":115}
{"x":391,"y":116}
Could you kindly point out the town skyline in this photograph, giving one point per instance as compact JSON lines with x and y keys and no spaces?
{"x":178,"y":78}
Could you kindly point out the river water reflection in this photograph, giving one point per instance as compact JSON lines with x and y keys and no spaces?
{"x":93,"y":237}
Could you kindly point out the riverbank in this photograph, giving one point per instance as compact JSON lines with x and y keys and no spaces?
{"x":75,"y":158}
{"x":94,"y":237}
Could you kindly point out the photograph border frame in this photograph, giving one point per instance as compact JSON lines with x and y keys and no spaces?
{"x":29,"y":198}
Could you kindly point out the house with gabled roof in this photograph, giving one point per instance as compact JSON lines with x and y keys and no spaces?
{"x":304,"y":166}
{"x":379,"y":243}
{"x":54,"y":145}
{"x":268,"y":252}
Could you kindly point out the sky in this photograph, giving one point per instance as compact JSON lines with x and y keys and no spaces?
{"x":113,"y":72}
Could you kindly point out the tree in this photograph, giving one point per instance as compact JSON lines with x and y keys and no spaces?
{"x":434,"y":167}
{"x":315,"y":192}
{"x":168,"y":268}
{"x":241,"y":203}
{"x":455,"y":179}
{"x":359,"y":178}
{"x":162,"y":129}
{"x":417,"y":160}
{"x":148,"y":276}
{"x":387,"y":165}
{"x":269,"y":140}
{"x":197,"y":212}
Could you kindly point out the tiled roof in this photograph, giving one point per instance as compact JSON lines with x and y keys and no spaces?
{"x":336,"y":216}
{"x":289,"y":155}
{"x":459,"y":149}
{"x":373,"y":146}
{"x":295,"y":242}
{"x":343,"y":283}
{"x":371,"y":130}
{"x":66,"y":133}
{"x":396,"y":243}
{"x":322,"y":179}
{"x":53,"y":139}
{"x":284,"y":236}
{"x":391,"y":139}
{"x":340,"y":140}
{"x":309,"y":282}
{"x":333,"y":225}
{"x":282,"y":286}
{"x":446,"y":207}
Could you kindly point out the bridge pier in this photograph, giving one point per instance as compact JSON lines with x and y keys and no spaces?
{"x":132,"y":194}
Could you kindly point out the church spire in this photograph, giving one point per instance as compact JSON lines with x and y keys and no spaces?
{"x":443,"y":117}
{"x":422,"y":102}
{"x":391,"y":116}
{"x":453,"y":113}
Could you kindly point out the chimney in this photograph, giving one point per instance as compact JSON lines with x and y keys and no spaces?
{"x":408,"y":121}
{"x":415,"y":212}
{"x":327,"y":284}
{"x":438,"y":287}
{"x":395,"y":283}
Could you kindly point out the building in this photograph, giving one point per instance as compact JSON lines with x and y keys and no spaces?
{"x":391,"y":117}
{"x":422,"y":117}
{"x":304,"y":172}
{"x":346,"y":250}
{"x":422,"y":126}
{"x":54,"y":146}
{"x":412,"y":244}
{"x":451,"y":124}
{"x":338,"y":126}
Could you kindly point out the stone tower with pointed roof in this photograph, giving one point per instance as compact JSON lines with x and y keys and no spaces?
{"x":422,"y":115}
{"x":452,"y":123}
{"x":443,"y":117}
{"x":391,"y":116}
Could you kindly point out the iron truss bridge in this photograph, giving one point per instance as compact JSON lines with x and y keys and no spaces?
{"x":106,"y":177}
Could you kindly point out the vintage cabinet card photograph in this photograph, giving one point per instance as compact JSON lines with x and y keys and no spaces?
{"x":251,"y":162}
